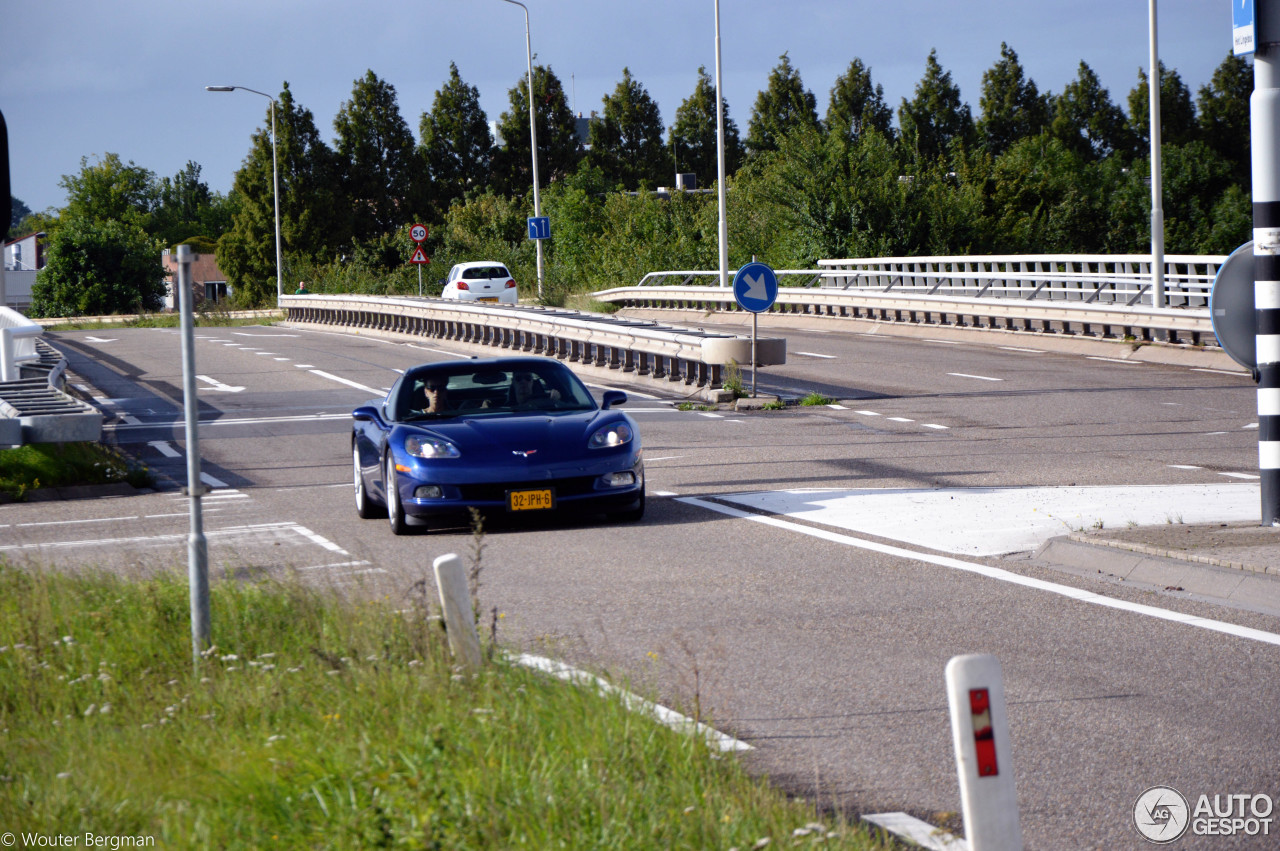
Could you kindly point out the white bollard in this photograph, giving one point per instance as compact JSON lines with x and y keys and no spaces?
{"x":984,"y":754}
{"x":459,"y":620}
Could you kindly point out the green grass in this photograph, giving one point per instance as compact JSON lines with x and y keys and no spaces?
{"x":815,"y":399}
{"x":56,"y":465}
{"x":318,"y":722}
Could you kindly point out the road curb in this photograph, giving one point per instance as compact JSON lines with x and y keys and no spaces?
{"x":1252,"y":587}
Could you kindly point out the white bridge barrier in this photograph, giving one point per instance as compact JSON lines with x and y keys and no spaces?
{"x":18,"y":336}
{"x":642,"y":349}
{"x":1103,"y":296}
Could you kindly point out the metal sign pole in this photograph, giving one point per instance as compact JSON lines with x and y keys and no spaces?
{"x":755,"y":325}
{"x":197,"y":546}
{"x":1265,"y":121}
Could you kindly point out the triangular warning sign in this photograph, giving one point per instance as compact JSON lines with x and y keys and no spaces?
{"x":419,"y":256}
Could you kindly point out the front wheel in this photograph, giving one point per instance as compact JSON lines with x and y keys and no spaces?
{"x":366,"y":508}
{"x":395,"y":511}
{"x":632,"y":515}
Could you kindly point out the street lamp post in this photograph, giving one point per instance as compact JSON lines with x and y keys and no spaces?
{"x":1157,"y":192}
{"x":533,"y":135}
{"x":724,"y":223}
{"x":275,"y":178}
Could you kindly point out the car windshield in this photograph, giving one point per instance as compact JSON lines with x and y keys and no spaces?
{"x":488,"y":390}
{"x":482,"y":273}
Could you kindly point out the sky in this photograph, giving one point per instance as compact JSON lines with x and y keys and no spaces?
{"x":81,"y":79}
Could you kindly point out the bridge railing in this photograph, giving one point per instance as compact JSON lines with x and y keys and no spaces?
{"x":644,"y":350}
{"x":1101,"y":296}
{"x":1088,"y":278}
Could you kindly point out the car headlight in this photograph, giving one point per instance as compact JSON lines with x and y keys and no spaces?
{"x":430,"y":447}
{"x":614,"y":434}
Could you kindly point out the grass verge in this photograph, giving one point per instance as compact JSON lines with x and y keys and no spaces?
{"x":59,"y":465}
{"x":318,"y":722}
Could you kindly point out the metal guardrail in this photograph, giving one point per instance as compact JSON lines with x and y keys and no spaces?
{"x":1106,"y":297}
{"x":641,"y":349}
{"x":1090,"y":278}
{"x":34,"y":409}
{"x":18,"y":336}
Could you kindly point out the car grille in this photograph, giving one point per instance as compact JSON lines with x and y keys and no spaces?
{"x":575,"y":486}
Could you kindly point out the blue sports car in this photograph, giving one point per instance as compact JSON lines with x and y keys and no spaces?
{"x":506,"y":436}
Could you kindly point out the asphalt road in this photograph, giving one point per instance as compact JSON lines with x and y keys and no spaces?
{"x":821,"y":647}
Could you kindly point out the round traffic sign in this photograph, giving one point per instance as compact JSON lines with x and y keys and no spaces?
{"x":1231,"y":307}
{"x":755,"y":287}
{"x":418,"y":233}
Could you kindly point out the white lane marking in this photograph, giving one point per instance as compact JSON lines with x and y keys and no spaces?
{"x":1114,"y":360}
{"x":935,"y":425}
{"x":649,"y":460}
{"x":711,"y":415}
{"x":665,"y":493}
{"x":434,"y":351}
{"x":229,"y":531}
{"x":335,"y":564}
{"x":1001,"y":575}
{"x":917,"y":832}
{"x":1240,"y":475}
{"x":100,"y":339}
{"x":67,"y":522}
{"x":836,"y":407}
{"x":1251,"y":425}
{"x":211,"y":481}
{"x":816,"y":355}
{"x":669,"y":717}
{"x":1018,"y":349}
{"x":266,"y":354}
{"x":135,"y":424}
{"x":218,"y":385}
{"x":900,"y":420}
{"x":867,"y":413}
{"x":304,"y":366}
{"x":944,"y":342}
{"x":243,"y":334}
{"x":280,"y":359}
{"x":978,"y":377}
{"x":163,"y":447}
{"x":345,"y":381}
{"x":1184,"y":466}
{"x":1220,"y":371}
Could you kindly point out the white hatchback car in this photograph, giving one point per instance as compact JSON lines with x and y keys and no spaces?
{"x":481,"y":281}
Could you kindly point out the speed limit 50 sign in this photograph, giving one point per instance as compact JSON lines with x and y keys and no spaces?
{"x":418,"y":233}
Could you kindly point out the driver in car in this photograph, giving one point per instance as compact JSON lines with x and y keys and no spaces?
{"x":435,"y":392}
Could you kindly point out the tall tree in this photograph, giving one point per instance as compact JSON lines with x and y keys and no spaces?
{"x":456,"y":143}
{"x":936,"y":116}
{"x":110,"y":189}
{"x":376,"y":154}
{"x":558,"y":147}
{"x":1178,"y":124}
{"x":313,"y":220}
{"x":693,"y":134}
{"x":17,"y":212}
{"x":1224,"y":115}
{"x":626,"y":143}
{"x":185,"y":207}
{"x":857,"y":104}
{"x":1086,"y":120}
{"x":785,"y":105}
{"x":98,"y":266}
{"x":1012,"y":106}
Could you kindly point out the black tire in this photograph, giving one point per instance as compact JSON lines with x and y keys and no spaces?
{"x":632,"y":515}
{"x":366,"y":508}
{"x":395,"y":510}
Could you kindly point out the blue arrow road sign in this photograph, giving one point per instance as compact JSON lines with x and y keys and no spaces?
{"x":539,"y":227}
{"x":755,"y":287}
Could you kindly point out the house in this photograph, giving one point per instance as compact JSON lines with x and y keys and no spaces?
{"x":207,"y":281}
{"x":23,"y":257}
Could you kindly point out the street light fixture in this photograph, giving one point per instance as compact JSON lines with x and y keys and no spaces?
{"x":533,"y":135}
{"x":275,"y":178}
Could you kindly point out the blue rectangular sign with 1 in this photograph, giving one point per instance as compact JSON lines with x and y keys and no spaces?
{"x":539,"y":227}
{"x":1243,"y":25}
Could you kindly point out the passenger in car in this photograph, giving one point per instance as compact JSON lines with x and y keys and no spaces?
{"x":435,"y":395}
{"x":526,"y":387}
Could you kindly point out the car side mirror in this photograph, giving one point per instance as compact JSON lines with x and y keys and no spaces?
{"x":365,"y":413}
{"x":611,"y":398}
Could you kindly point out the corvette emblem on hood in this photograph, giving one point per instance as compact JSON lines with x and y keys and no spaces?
{"x":523,"y":453}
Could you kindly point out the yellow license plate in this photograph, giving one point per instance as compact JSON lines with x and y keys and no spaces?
{"x":494,"y":300}
{"x":538,"y":500}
